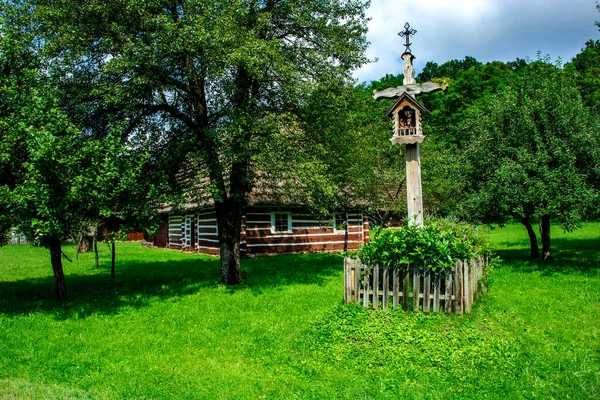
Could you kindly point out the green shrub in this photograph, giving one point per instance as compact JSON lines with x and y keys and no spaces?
{"x":437,"y":245}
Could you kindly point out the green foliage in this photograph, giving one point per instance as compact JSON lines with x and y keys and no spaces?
{"x":209,"y":82}
{"x":533,"y":152}
{"x":437,"y":245}
{"x":59,"y":178}
{"x":472,"y":87}
{"x":586,"y":69}
{"x":210,"y":85}
{"x":449,"y":69}
{"x":4,"y":236}
{"x":41,"y":155}
{"x":470,"y":82}
{"x":348,"y":143}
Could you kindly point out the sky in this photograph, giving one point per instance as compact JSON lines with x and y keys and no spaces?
{"x":488,"y":30}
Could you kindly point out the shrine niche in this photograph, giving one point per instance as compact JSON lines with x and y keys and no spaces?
{"x":407,"y":116}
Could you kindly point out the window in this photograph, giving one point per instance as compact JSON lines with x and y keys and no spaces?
{"x":340,"y":221}
{"x":281,"y":222}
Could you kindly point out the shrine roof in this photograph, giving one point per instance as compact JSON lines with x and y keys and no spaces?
{"x":411,"y":99}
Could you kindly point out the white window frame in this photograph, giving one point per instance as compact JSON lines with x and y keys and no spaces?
{"x":335,"y":228}
{"x":289,"y":219}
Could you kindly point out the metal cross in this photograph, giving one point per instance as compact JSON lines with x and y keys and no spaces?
{"x":407,"y":33}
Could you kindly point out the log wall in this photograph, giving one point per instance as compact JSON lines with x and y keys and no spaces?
{"x":199,"y":232}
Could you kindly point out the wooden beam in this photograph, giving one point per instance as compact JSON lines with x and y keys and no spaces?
{"x":414,"y":191}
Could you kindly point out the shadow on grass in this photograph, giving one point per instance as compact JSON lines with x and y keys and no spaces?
{"x":138,"y":283}
{"x":580,"y":257}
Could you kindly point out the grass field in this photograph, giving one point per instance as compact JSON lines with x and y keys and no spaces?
{"x":165,"y":328}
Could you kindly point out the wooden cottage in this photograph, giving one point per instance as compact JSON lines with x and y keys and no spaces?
{"x":272,"y":223}
{"x":265,"y":230}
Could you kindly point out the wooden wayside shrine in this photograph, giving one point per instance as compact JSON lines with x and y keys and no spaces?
{"x":412,"y":287}
{"x":407,"y":113}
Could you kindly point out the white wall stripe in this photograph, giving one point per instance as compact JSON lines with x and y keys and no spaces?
{"x":321,"y":226}
{"x":300,"y":236}
{"x":312,"y":227}
{"x":294,"y":244}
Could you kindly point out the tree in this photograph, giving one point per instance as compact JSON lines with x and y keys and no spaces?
{"x":54,"y":177}
{"x":449,"y":69}
{"x":213,"y":78}
{"x":586,"y":69}
{"x":533,"y":155}
{"x":469,"y":82}
{"x":119,"y":193}
{"x":37,"y":149}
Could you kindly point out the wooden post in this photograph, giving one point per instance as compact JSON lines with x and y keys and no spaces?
{"x":448,"y":297}
{"x":426,"y":289}
{"x":405,"y":287}
{"x":351,"y":281}
{"x":474,"y":280}
{"x":396,"y":286}
{"x":416,"y":287}
{"x":366,"y":289}
{"x":376,"y":286}
{"x":436,"y":292}
{"x":357,"y":271}
{"x":346,"y":269}
{"x":414,"y":192}
{"x":386,"y":287}
{"x":466,"y":287}
{"x":458,"y":294}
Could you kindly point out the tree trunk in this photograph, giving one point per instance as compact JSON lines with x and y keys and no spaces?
{"x":53,"y":244}
{"x":96,"y":248}
{"x":229,"y":220}
{"x":78,"y":239}
{"x":535,"y":250}
{"x":545,"y":233}
{"x":346,"y":238}
{"x":112,"y":265}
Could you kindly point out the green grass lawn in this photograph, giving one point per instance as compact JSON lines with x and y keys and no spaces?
{"x":165,"y":328}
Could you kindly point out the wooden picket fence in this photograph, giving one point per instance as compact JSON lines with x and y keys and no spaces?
{"x":451,"y":291}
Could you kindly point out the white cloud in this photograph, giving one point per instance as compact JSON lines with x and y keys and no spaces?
{"x":485,"y":29}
